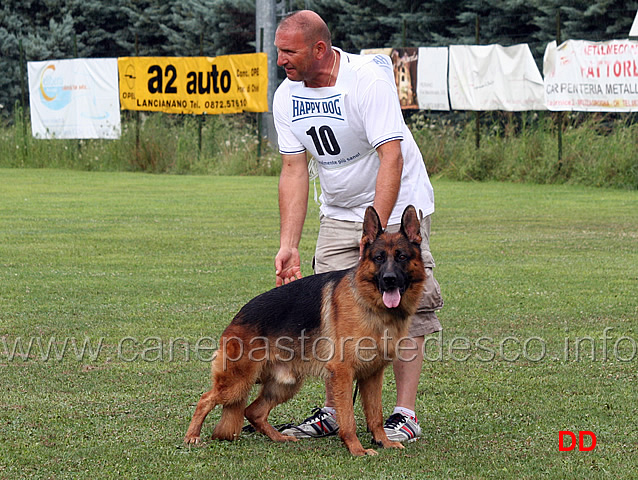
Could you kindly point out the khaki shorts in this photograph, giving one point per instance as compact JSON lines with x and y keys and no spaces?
{"x":338,"y":248}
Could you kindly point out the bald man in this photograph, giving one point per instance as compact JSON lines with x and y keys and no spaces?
{"x":344,"y":110}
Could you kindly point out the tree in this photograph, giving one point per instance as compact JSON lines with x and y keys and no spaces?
{"x":41,"y":30}
{"x":233,"y":30}
{"x":102,"y":28}
{"x":582,"y":20}
{"x":598,"y":21}
{"x":192,"y":22}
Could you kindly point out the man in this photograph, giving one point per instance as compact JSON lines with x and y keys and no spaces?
{"x":345,"y":111}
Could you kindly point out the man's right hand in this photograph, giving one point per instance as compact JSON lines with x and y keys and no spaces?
{"x":287,"y":266}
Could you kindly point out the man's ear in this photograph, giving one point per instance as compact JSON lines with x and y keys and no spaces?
{"x":320,"y":49}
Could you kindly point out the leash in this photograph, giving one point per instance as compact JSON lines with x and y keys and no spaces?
{"x":354,"y":395}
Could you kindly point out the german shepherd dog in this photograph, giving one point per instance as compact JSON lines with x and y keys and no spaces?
{"x":341,"y":326}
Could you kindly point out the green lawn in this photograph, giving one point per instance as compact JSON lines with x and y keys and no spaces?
{"x":114,"y":288}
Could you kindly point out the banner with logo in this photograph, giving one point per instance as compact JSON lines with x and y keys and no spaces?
{"x":420,"y":75}
{"x":591,"y":76}
{"x":210,"y":85}
{"x":493,"y":77}
{"x":74,"y":98}
{"x":431,"y":89}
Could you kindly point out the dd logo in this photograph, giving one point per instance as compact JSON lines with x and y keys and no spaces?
{"x":580,"y":442}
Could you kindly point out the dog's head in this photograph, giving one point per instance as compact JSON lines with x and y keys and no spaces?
{"x":392,"y":261}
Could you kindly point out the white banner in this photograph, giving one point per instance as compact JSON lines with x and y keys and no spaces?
{"x":493,"y":77}
{"x":633,"y":32}
{"x":592,"y":76}
{"x":420,"y":75}
{"x":76,"y":98}
{"x":431,"y":78}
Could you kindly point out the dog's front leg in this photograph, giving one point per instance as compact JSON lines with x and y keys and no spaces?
{"x":339,"y":383}
{"x":370,"y":389}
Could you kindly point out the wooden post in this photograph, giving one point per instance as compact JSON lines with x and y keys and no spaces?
{"x":23,"y":90}
{"x":259,"y":115}
{"x":559,"y":117}
{"x":404,"y":33}
{"x":22,"y":112}
{"x":137,"y":114}
{"x":478,"y":113}
{"x":200,"y":118}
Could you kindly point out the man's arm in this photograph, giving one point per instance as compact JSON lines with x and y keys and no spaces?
{"x":388,"y":179}
{"x":293,"y":204}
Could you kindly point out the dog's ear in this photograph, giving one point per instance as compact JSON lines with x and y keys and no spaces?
{"x":410,"y":225}
{"x":371,"y":226}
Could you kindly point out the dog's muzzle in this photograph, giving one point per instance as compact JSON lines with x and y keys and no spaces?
{"x":390,"y":290}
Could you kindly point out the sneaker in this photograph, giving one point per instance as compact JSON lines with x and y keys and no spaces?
{"x":401,"y":428}
{"x":319,"y":424}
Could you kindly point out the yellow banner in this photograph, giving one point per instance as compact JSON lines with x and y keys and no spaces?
{"x":211,"y":85}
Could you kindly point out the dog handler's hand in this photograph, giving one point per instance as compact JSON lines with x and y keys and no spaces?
{"x":287,"y":266}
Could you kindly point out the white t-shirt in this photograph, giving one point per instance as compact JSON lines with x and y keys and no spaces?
{"x":342,"y":126}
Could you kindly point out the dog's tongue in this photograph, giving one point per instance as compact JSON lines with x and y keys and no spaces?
{"x":392,"y":298}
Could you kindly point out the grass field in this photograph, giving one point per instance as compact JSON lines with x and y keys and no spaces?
{"x":115,"y":286}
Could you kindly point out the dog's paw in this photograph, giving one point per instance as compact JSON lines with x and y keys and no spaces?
{"x":394,"y":445}
{"x":360,"y":452}
{"x":191,"y":440}
{"x":387,"y":444}
{"x":280,"y":437}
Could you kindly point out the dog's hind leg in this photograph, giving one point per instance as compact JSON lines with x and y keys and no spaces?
{"x":370,"y":389}
{"x":206,"y":403}
{"x":234,"y":384}
{"x":271,"y":395}
{"x":231,"y":422}
{"x":231,"y":386}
